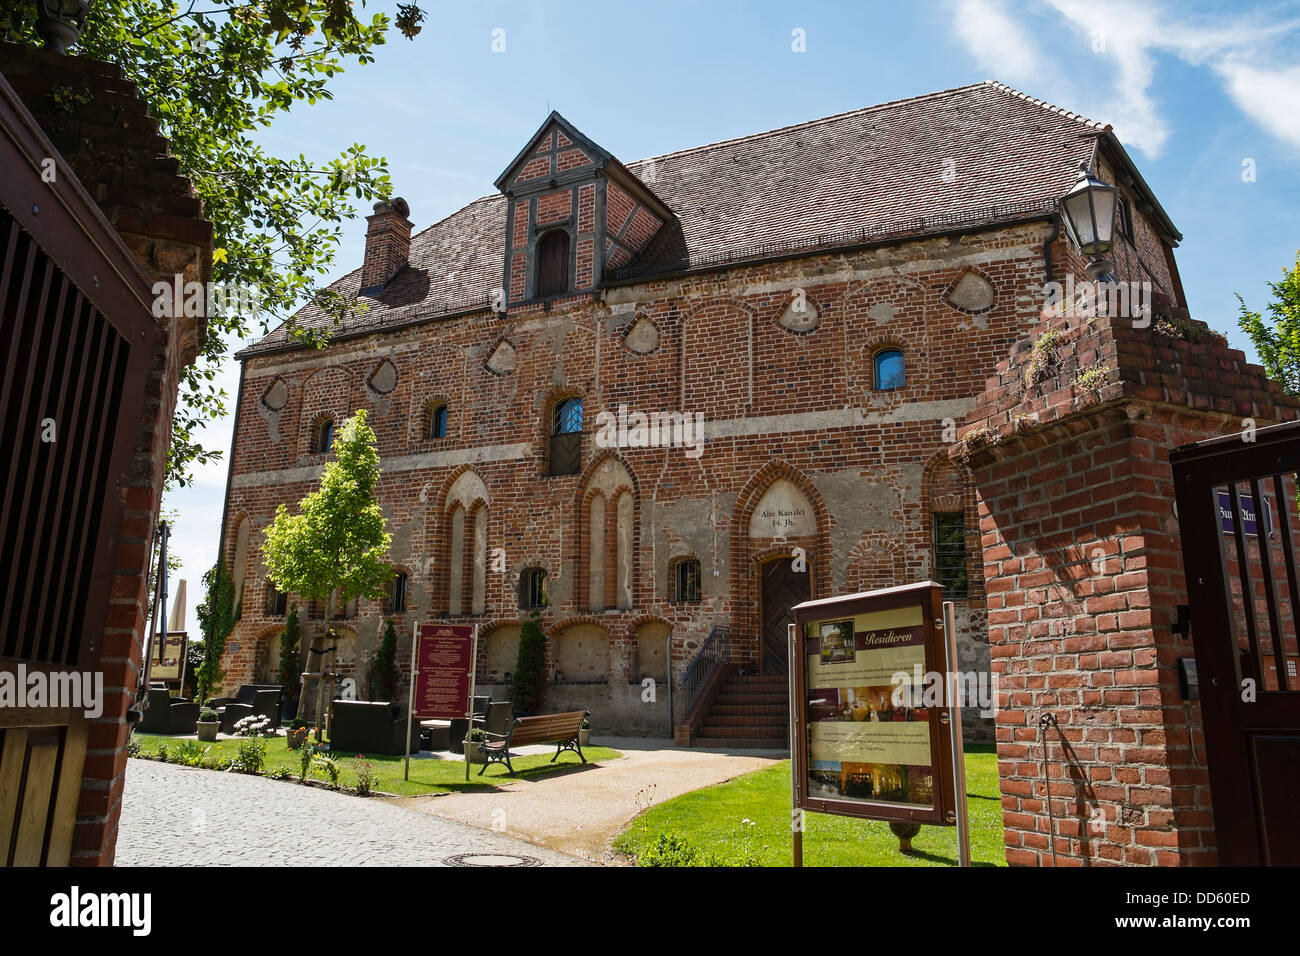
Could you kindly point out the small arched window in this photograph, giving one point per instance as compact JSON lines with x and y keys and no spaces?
{"x":686,"y":581}
{"x":566,"y":437}
{"x":323,"y":437}
{"x":532,"y":589}
{"x":890,"y":369}
{"x":397,"y":593}
{"x":438,"y":421}
{"x":553,"y":264}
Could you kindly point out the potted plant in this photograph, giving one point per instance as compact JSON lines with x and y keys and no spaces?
{"x":584,"y":732}
{"x":209,"y":721}
{"x":297,"y":734}
{"x":472,"y":753}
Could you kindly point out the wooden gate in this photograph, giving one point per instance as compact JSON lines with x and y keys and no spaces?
{"x":78,"y":335}
{"x":1236,"y":501}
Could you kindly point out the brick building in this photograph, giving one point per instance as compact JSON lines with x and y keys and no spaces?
{"x":828,"y":299}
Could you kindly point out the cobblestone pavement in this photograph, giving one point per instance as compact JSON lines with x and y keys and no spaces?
{"x":187,"y":817}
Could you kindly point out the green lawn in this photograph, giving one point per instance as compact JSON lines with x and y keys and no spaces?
{"x":427,"y":776}
{"x":711,"y":821}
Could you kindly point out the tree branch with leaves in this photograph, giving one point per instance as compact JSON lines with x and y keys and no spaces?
{"x":215,"y":73}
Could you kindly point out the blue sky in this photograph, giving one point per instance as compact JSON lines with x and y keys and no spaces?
{"x":1193,"y":90}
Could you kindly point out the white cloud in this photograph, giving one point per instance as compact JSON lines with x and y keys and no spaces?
{"x":995,"y":40}
{"x":1270,"y":98}
{"x":1246,"y":50}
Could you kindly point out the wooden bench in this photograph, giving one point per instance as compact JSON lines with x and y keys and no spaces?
{"x":559,"y":729}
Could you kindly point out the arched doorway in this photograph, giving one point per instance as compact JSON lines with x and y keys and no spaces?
{"x":783,"y":583}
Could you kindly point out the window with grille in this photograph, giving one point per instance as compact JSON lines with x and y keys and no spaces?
{"x":950,"y":553}
{"x":397,"y":594}
{"x":553,"y":264}
{"x":687,"y":581}
{"x":890,"y":370}
{"x":566,"y":437}
{"x":532,"y":589}
{"x":277,"y":602}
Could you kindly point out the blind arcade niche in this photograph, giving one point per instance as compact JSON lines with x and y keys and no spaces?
{"x":865,"y":740}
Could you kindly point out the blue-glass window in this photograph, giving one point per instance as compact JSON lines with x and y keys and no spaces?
{"x":890,"y":370}
{"x":568,"y":416}
{"x":438,"y":422}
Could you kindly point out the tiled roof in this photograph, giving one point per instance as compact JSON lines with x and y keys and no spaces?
{"x":962,"y":157}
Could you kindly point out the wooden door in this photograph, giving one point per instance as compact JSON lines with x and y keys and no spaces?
{"x":1244,"y":603}
{"x":782,"y":588}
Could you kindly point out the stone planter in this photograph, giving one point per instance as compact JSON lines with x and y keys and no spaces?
{"x":297,"y":738}
{"x":584,"y":737}
{"x":472,"y":753}
{"x":208,"y":731}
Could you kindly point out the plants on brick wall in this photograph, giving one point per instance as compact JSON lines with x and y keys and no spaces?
{"x":213,"y":79}
{"x":528,"y":684}
{"x":335,"y":546}
{"x":217,"y":617}
{"x":384,"y":676}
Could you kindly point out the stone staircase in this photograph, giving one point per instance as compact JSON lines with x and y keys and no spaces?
{"x":751,"y":711}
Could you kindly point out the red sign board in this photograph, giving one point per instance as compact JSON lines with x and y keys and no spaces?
{"x":443,"y":657}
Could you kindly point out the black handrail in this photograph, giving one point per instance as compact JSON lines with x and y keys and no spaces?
{"x":713,"y":653}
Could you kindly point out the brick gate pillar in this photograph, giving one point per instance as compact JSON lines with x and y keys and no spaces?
{"x":1068,"y":448}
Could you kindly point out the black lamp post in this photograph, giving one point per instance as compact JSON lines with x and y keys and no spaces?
{"x":1089,"y":210}
{"x":60,"y":22}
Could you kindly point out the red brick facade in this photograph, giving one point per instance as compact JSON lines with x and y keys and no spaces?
{"x":1083,"y":571}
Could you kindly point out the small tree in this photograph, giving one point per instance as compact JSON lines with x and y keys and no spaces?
{"x":384,"y":675}
{"x":528,"y":684}
{"x":1278,"y":340}
{"x":217,"y":616}
{"x":290,"y":660}
{"x":335,"y":544}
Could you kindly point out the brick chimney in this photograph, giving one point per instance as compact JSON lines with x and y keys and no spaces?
{"x":388,"y":244}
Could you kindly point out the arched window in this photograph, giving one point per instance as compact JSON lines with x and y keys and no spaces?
{"x":890,"y":369}
{"x":397,"y":594}
{"x":553,"y":264}
{"x":686,"y":581}
{"x":323,"y":436}
{"x":566,"y":437}
{"x":532,"y":589}
{"x":438,"y":421}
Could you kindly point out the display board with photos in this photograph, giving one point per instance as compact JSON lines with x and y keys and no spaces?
{"x":868,"y":746}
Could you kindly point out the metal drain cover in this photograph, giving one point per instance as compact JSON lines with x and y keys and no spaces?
{"x":491,"y":859}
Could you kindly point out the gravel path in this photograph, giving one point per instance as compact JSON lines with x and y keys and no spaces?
{"x":581,"y":811}
{"x":187,"y":817}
